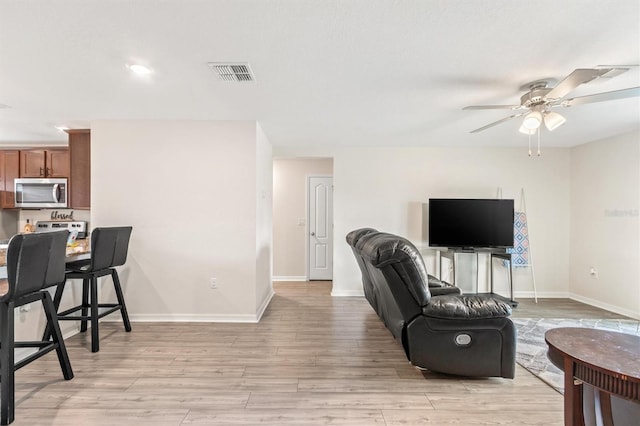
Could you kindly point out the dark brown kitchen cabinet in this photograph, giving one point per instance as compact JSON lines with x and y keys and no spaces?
{"x":41,"y":163}
{"x":9,"y":170}
{"x":80,"y":169}
{"x":73,"y":163}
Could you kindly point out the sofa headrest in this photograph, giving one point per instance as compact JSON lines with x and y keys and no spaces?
{"x":354,"y":236}
{"x":384,"y":250}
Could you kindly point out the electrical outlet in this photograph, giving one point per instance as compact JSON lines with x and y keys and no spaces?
{"x":593,"y":272}
{"x":213,"y":283}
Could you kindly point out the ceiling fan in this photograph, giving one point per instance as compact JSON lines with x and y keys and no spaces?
{"x":537,"y":103}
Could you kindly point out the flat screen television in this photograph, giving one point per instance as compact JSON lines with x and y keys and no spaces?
{"x":470,"y":223}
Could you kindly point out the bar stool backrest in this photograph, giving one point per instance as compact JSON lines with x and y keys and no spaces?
{"x":35,"y":261}
{"x":109,"y":247}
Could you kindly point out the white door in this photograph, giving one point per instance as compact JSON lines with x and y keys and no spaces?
{"x":320,"y":196}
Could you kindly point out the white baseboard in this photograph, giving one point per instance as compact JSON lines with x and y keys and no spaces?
{"x":606,"y":306}
{"x":244,"y":318}
{"x":541,"y":295}
{"x":264,"y":305}
{"x":198,"y":317}
{"x":71,"y":333}
{"x":516,"y":295}
{"x":289,"y":278}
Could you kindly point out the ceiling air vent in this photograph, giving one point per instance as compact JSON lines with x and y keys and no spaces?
{"x":232,"y":71}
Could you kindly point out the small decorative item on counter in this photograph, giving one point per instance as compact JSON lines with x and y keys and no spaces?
{"x":71,"y":240}
{"x":28,"y":227}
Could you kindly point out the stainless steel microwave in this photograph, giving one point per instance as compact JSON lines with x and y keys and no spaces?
{"x":36,"y":193}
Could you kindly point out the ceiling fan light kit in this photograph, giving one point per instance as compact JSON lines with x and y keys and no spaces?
{"x":537,"y":102}
{"x":526,"y":130}
{"x":553,"y":120}
{"x":532,"y":120}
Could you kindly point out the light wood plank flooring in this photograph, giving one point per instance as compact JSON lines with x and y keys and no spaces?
{"x":561,"y":308}
{"x":313,"y":359}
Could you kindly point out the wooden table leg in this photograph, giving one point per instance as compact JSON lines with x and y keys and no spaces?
{"x":573,"y":413}
{"x":605,"y":408}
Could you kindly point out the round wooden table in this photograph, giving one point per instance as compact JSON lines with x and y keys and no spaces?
{"x":606,"y":360}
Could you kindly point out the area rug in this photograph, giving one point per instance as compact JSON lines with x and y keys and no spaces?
{"x":531,"y":349}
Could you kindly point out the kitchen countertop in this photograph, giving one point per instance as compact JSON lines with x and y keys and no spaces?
{"x":80,"y":247}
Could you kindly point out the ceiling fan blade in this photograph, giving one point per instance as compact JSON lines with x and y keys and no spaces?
{"x":614,"y":72}
{"x":493,"y":107}
{"x":495,"y":123}
{"x":600,"y":97}
{"x":575,"y":79}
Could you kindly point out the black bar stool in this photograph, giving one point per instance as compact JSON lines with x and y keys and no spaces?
{"x":34,"y":261}
{"x":109,"y":247}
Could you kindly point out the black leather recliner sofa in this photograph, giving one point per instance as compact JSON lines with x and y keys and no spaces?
{"x":353,"y":238}
{"x":356,"y":239}
{"x":465,"y":335}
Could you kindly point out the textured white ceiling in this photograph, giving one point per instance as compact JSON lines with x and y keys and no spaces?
{"x":367,"y":72}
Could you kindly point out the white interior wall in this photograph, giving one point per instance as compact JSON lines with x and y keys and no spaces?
{"x":290,"y":213}
{"x":189,"y":189}
{"x":605,"y":229}
{"x":264,"y":221}
{"x":386,"y":188}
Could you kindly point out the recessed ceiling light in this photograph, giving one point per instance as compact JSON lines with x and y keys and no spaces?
{"x":139,"y":69}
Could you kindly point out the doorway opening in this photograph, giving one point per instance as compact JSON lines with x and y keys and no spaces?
{"x":302,"y":219}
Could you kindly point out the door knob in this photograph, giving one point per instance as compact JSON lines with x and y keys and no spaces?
{"x":313,"y":234}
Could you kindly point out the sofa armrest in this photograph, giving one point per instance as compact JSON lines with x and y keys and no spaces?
{"x":438,"y":287}
{"x":466,"y":307}
{"x":441,"y":291}
{"x":436,"y":282}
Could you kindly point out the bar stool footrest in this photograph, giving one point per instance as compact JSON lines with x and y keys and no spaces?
{"x":32,"y":357}
{"x":64,"y":316}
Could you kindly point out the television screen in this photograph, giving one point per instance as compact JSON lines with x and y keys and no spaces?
{"x":471,"y":223}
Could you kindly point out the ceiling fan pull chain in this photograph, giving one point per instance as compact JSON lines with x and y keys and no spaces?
{"x":529,"y":144}
{"x":538,"y":141}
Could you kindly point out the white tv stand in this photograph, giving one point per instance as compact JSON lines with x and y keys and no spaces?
{"x":494,"y":253}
